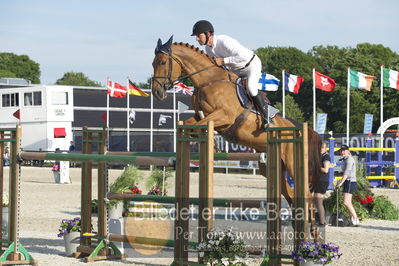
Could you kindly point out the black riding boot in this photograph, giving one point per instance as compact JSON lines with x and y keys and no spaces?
{"x":261,"y":106}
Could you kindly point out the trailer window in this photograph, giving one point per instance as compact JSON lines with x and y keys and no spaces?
{"x":33,"y":98}
{"x":59,"y":98}
{"x":10,"y":100}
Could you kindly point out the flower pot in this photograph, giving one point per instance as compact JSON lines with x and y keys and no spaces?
{"x":116,"y":211}
{"x":4,"y":225}
{"x":71,"y":241}
{"x":56,"y":176}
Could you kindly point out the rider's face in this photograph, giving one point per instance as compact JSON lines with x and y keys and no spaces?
{"x":201,"y":38}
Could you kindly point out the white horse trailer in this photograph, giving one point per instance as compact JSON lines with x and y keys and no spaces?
{"x":46,"y":115}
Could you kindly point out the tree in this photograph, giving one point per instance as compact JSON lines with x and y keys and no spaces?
{"x":296,"y":62}
{"x":292,"y":109}
{"x":7,"y":74}
{"x":333,"y":61}
{"x":19,"y":66}
{"x":77,"y":79}
{"x":365,"y":58}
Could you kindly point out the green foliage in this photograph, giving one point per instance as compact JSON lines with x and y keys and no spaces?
{"x":384,"y":209}
{"x":129,"y":177}
{"x":21,"y":66}
{"x":292,"y":109}
{"x":94,"y":206}
{"x":7,"y":74}
{"x":156,"y":179}
{"x":294,"y":61}
{"x":77,"y":79}
{"x":375,"y":207}
{"x":333,"y":61}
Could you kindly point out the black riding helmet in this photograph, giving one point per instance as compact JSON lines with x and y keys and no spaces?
{"x":202,"y":26}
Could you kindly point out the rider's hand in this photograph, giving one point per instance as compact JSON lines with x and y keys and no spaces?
{"x":219,"y":61}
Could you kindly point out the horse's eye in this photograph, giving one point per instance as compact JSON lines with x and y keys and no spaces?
{"x":162,"y":63}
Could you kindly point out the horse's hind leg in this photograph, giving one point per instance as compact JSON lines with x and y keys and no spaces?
{"x":286,"y":189}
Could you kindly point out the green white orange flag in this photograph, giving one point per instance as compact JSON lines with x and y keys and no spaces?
{"x":360,"y":80}
{"x":390,"y":78}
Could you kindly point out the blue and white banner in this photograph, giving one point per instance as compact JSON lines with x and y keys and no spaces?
{"x":368,"y":123}
{"x":321,"y":123}
{"x":268,"y":82}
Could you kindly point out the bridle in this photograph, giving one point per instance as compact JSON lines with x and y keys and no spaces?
{"x":169,"y":82}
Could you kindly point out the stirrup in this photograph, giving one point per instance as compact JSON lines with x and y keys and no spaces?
{"x":267,"y":121}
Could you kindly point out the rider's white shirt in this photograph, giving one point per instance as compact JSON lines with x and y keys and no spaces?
{"x":235,"y":55}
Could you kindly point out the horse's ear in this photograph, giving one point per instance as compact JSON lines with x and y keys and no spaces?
{"x":169,"y":42}
{"x":166,"y":46}
{"x":158,"y":48}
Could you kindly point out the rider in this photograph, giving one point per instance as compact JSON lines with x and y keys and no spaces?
{"x":230,"y":53}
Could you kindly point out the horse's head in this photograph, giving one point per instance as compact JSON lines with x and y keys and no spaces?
{"x":167,"y":69}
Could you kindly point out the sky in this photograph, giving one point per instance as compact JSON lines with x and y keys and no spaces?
{"x":117,"y":38}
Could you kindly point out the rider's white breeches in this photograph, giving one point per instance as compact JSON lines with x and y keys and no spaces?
{"x":253,"y":73}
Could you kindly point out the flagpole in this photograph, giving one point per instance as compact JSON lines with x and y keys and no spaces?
{"x":381,"y":105}
{"x":314,"y":99}
{"x":174,"y":120}
{"x":178,"y":113}
{"x":107,"y":118}
{"x":127,"y":115}
{"x":347,"y":106}
{"x":283,"y":90}
{"x":151,"y":123}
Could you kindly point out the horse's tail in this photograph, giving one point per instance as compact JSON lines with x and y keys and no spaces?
{"x":314,"y":153}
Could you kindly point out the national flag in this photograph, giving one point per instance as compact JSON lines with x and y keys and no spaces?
{"x":323,"y":82}
{"x":268,"y":82}
{"x":390,"y":78}
{"x":183,"y":88}
{"x":17,"y":114}
{"x":292,"y":83}
{"x":358,"y":80}
{"x":116,"y":90}
{"x":133,"y":90}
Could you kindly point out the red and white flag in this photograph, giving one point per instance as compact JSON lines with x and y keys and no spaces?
{"x":183,"y":88}
{"x":323,"y":82}
{"x":116,"y":90}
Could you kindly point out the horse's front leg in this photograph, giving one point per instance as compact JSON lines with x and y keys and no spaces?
{"x":191,"y":121}
{"x":218,"y":117}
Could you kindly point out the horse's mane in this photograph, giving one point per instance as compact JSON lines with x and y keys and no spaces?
{"x":194,"y":49}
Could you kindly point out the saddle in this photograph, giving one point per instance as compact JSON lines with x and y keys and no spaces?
{"x":246,"y":101}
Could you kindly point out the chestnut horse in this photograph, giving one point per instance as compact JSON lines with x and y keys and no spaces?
{"x":215,"y":99}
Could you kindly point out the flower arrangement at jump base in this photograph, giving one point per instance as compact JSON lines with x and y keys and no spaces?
{"x":55,"y":168}
{"x":316,"y":252}
{"x":135,"y":190}
{"x":154,"y":191}
{"x":223,"y":248}
{"x":69,"y":225}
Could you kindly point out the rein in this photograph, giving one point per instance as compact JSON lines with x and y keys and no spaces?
{"x":169,"y":83}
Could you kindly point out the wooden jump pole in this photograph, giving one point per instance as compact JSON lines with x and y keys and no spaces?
{"x":204,"y":136}
{"x":276,"y":137}
{"x":103,"y":249}
{"x":15,"y":251}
